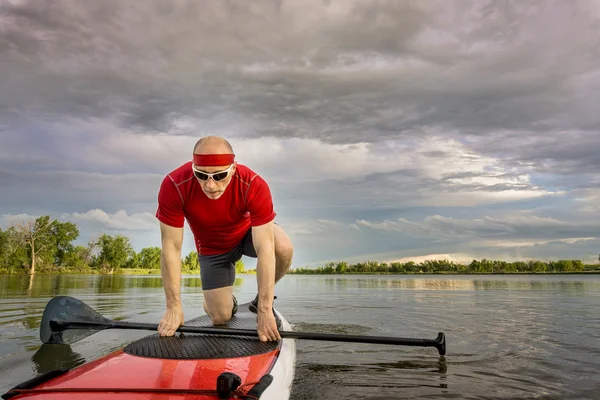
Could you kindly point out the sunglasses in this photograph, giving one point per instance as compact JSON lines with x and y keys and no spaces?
{"x":216,"y":176}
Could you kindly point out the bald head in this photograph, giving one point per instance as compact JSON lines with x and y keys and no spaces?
{"x":212,"y":145}
{"x":213,"y":155}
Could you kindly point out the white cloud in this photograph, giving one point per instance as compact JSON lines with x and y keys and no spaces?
{"x":141,"y":228}
{"x":98,"y":219}
{"x":499,"y":231}
{"x":428,"y":171}
{"x":431,"y":156}
{"x":311,"y":228}
{"x":588,"y":201}
{"x":9,"y":219}
{"x":432,"y":170}
{"x":117,"y":221}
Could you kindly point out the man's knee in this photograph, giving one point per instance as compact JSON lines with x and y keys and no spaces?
{"x":285,"y":253}
{"x":284,"y":249}
{"x":218,"y":304}
{"x":220,"y":317}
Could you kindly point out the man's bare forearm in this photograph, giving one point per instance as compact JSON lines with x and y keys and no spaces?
{"x":265,"y":275}
{"x":170,"y":269}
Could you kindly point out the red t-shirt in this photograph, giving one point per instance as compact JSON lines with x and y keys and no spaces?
{"x":218,"y":225}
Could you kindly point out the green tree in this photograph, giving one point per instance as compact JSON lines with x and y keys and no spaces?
{"x":411,"y":267}
{"x":562,"y":266}
{"x":134,"y":261}
{"x":578,"y":265}
{"x":382,"y":268}
{"x":15,"y":253}
{"x":329,"y":268}
{"x":63,"y":233}
{"x":519,"y":266}
{"x":150,"y":257}
{"x":239,"y":267}
{"x":4,"y":248}
{"x":341,"y":267}
{"x":77,"y":258}
{"x":190,"y":262}
{"x":537,"y":266}
{"x":114,"y":252}
{"x":36,"y":236}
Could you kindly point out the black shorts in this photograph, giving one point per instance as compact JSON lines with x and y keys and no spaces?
{"x":217,"y":271}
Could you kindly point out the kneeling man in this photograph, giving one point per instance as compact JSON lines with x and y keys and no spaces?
{"x":230,"y":212}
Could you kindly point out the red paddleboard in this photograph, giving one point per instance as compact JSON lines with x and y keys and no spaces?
{"x":185,"y":366}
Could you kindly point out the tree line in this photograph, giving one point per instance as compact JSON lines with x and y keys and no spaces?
{"x":46,"y":246}
{"x":445,"y":266}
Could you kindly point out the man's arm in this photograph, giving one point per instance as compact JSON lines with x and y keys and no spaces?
{"x":170,"y":269}
{"x":264,"y":244}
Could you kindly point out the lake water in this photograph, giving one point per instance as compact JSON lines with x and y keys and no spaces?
{"x":508,"y":337}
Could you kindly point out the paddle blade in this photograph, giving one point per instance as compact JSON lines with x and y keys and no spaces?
{"x":59,"y":312}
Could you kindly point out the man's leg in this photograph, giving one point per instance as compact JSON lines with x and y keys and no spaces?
{"x":218,"y":274}
{"x":218,"y":304}
{"x":284,"y":251}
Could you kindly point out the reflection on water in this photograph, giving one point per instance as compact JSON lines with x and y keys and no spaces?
{"x":457,"y":282}
{"x":354,"y":379}
{"x":531,"y":284}
{"x":54,"y":285}
{"x":425,"y":365}
{"x":31,"y":318}
{"x":54,"y":356}
{"x":57,"y":285}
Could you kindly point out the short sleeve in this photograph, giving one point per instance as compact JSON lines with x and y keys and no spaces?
{"x":260,"y":202}
{"x":170,"y":204}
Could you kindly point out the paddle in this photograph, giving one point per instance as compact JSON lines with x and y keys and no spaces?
{"x":67,"y":320}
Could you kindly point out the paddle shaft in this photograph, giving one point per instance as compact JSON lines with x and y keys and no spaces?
{"x":438,"y":343}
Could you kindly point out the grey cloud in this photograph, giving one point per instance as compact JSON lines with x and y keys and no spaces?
{"x":95,"y":60}
{"x":39,"y":192}
{"x":264,"y":64}
{"x":567,"y":160}
{"x":586,"y":250}
{"x":391,"y":190}
{"x":481,"y":188}
{"x":508,"y":228}
{"x":513,"y":80}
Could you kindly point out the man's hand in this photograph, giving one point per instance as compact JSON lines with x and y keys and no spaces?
{"x":170,"y":321}
{"x":267,"y":326}
{"x":264,"y":243}
{"x":170,"y":270}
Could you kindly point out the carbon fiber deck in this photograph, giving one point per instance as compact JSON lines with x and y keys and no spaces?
{"x":205,"y":346}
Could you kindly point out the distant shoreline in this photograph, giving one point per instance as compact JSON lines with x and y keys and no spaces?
{"x":45,"y":247}
{"x":146,"y":272}
{"x":454,"y":273}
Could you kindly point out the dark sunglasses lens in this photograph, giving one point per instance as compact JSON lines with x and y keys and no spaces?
{"x":201,"y":176}
{"x":220,"y":177}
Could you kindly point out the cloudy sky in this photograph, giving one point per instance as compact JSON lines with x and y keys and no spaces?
{"x":386,"y":130}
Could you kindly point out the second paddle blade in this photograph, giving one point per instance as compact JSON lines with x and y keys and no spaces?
{"x":64,"y":309}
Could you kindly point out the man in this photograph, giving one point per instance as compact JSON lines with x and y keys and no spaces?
{"x":229,"y":210}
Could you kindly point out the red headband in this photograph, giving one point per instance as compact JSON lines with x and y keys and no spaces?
{"x":213,"y":160}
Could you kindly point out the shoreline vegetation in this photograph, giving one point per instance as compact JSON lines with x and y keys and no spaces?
{"x":44,"y":246}
{"x":445,"y":267}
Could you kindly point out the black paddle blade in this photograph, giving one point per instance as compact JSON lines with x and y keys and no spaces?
{"x":63,"y":310}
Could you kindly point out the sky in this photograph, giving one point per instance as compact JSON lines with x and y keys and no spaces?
{"x":386,"y":130}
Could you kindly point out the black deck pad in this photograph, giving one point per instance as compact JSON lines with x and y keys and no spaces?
{"x":205,"y":346}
